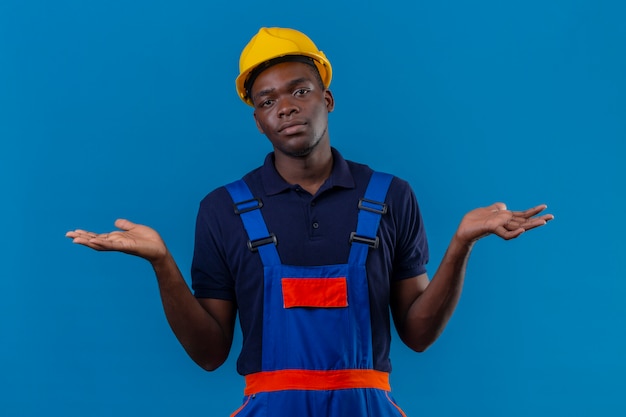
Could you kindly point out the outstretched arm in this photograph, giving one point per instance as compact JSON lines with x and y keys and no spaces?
{"x":203,"y":326}
{"x":421,"y":309}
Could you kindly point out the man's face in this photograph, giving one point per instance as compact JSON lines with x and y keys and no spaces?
{"x":291,"y":108}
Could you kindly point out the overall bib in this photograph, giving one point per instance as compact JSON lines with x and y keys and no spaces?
{"x":317,"y":341}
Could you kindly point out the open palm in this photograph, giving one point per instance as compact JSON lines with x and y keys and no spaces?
{"x":134,"y":239}
{"x":496,"y":219}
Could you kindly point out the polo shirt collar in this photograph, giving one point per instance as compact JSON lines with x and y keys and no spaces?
{"x":273,"y":183}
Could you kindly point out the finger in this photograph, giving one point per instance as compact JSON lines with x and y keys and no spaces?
{"x":114,"y":236}
{"x":496,"y":207}
{"x":90,"y":243}
{"x":531,"y":211}
{"x":512,"y":224}
{"x":74,"y":235}
{"x":124,"y":224}
{"x":78,"y":232}
{"x":533,"y":223}
{"x":81,"y":240}
{"x":508,"y":234}
{"x":107,"y":243}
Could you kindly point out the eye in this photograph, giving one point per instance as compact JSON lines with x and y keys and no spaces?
{"x":266,"y":103}
{"x":301,"y":91}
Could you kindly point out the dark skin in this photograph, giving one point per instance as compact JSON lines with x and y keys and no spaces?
{"x":291,"y":108}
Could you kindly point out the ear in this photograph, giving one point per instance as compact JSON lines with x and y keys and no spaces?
{"x":330,"y":100}
{"x":258,"y":125}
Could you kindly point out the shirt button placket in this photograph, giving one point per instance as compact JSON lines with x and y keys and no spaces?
{"x":314,"y":222}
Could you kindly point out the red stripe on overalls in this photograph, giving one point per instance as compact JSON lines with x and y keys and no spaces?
{"x":298,"y":379}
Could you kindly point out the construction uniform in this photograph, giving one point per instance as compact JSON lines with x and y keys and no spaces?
{"x":316,"y":332}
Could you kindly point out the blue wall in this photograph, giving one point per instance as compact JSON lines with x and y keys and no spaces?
{"x":127,"y":109}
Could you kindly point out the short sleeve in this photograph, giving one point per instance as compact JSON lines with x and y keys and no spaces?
{"x":210,"y":273}
{"x":411,"y":250}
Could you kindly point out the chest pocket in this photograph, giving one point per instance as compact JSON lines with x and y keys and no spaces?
{"x":315,"y":292}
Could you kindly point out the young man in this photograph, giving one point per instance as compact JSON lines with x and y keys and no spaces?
{"x":312,"y":251}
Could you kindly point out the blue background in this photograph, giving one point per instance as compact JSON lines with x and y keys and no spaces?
{"x":127,"y":109}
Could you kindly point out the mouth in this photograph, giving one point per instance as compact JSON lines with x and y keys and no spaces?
{"x":291,"y":127}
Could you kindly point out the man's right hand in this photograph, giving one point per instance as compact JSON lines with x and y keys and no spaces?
{"x":134,"y":239}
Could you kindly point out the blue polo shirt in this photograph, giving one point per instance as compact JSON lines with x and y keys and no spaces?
{"x":311,"y":230}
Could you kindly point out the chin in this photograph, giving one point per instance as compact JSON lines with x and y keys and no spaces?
{"x":299,"y":153}
{"x":305,"y":149}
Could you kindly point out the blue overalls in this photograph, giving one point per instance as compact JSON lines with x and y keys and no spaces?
{"x":317,"y":343}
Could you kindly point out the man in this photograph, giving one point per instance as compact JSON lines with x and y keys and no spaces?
{"x":312,"y":251}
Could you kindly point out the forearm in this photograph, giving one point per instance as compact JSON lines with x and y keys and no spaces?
{"x":422,"y":311}
{"x":429,"y":313}
{"x":203,"y":338}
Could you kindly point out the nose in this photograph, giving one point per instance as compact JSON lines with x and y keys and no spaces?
{"x":287,"y":107}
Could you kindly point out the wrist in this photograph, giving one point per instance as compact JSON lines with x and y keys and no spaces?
{"x":462,"y":243}
{"x":162,"y":260}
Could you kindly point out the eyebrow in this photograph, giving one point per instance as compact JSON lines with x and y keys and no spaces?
{"x":290,"y":84}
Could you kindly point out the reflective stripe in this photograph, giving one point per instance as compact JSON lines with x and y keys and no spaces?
{"x":307,"y":380}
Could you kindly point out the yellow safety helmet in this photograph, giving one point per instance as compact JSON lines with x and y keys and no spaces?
{"x":272,"y":43}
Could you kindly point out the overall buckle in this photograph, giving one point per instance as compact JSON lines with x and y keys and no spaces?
{"x":253,"y":245}
{"x":372,"y":243}
{"x":246,"y":206}
{"x":372,"y":206}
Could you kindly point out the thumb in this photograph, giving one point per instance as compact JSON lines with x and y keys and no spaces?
{"x":124,"y":224}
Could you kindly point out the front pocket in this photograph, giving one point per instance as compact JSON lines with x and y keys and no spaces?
{"x":240,"y":409}
{"x":394,"y":404}
{"x":315,"y":292}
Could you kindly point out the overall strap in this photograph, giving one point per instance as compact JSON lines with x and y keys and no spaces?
{"x":248,"y":208}
{"x":371,"y":207}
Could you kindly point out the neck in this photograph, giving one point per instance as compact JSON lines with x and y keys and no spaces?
{"x":309,"y":171}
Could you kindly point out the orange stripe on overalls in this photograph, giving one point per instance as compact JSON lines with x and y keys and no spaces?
{"x":299,"y":379}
